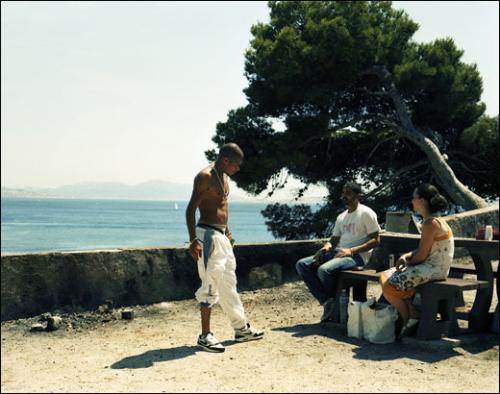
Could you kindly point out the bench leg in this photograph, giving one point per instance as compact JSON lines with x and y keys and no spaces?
{"x":359,"y":290}
{"x":479,"y":318}
{"x":434,"y":301}
{"x":446,"y":308}
{"x":459,"y":300}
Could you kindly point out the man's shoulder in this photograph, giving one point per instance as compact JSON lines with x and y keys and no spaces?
{"x":342,"y":214}
{"x":205,"y":174}
{"x":366,"y":209}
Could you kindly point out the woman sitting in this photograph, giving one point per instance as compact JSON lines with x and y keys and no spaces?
{"x":430,"y":262}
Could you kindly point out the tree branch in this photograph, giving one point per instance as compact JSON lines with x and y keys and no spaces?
{"x":377,"y":146}
{"x":396,"y":175}
{"x":387,"y":120}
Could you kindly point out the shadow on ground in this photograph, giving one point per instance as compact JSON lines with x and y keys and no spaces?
{"x":425,"y":351}
{"x":146,"y":360}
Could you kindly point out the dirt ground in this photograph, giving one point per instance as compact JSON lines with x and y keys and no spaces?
{"x":156,"y":352}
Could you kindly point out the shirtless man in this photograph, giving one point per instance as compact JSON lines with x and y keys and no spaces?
{"x":210,"y":245}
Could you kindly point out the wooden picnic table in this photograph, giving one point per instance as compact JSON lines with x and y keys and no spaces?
{"x":482,"y":253}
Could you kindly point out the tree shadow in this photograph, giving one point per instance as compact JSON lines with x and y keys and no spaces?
{"x":414,"y":349}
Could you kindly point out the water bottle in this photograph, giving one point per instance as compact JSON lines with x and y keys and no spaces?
{"x":488,"y":233}
{"x":343,"y":302}
{"x":391,"y":260}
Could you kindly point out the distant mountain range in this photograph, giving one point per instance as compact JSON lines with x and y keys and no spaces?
{"x":152,"y":190}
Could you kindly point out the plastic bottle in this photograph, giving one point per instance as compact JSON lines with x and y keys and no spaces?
{"x":343,"y":303}
{"x":488,"y":233}
{"x":391,"y":260}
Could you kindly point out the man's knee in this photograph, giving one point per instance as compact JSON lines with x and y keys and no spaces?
{"x":324,"y":272}
{"x":301,"y":266}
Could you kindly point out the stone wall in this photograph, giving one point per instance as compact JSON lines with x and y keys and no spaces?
{"x":464,"y":224}
{"x":42,"y":282}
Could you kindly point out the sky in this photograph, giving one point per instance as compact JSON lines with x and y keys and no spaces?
{"x":131,"y":91}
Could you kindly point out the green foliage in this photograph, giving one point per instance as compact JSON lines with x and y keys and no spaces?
{"x":308,"y":67}
{"x":311,"y":52}
{"x":445,"y":92}
{"x":476,"y":156}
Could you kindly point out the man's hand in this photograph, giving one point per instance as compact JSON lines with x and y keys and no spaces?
{"x":343,"y":253}
{"x":195,"y":249}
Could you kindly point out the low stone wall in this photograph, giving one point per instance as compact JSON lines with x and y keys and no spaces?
{"x":42,"y":282}
{"x":464,"y":224}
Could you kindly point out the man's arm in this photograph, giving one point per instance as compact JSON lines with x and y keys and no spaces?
{"x":424,"y":247}
{"x":332,"y":243}
{"x":200,"y":184}
{"x":374,"y":241}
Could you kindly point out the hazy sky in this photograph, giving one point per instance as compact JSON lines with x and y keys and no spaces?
{"x":130,"y":92}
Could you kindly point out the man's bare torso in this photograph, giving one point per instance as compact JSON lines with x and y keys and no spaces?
{"x":213,"y":204}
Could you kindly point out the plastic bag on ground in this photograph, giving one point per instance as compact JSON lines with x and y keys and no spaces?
{"x":378,"y":322}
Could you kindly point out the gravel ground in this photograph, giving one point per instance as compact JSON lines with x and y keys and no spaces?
{"x":155,"y":352}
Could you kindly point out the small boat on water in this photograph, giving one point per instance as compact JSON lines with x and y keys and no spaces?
{"x":176,"y":206}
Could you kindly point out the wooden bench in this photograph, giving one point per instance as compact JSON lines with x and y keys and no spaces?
{"x":436,"y":297}
{"x":468,"y":269}
{"x":458,"y":271}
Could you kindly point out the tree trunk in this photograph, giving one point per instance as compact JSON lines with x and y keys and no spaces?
{"x":446,"y":178}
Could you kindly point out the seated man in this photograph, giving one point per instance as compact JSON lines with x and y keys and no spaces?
{"x":355,"y":234}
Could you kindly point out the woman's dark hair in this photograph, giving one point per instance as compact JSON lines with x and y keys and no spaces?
{"x":430,"y":193}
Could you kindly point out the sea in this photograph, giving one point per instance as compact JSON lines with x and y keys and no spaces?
{"x":42,"y":225}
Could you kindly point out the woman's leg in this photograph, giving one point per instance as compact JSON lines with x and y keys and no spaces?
{"x":400,"y":304}
{"x":413,"y":313}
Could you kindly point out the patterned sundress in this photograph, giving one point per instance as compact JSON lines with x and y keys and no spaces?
{"x":435,"y":267}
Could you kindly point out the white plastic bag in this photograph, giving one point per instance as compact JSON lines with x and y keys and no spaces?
{"x":378,"y":322}
{"x":354,"y":322}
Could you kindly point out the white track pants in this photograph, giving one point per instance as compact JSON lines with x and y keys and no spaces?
{"x":217,"y":271}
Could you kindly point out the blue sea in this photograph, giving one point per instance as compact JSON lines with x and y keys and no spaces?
{"x":35,"y":225}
